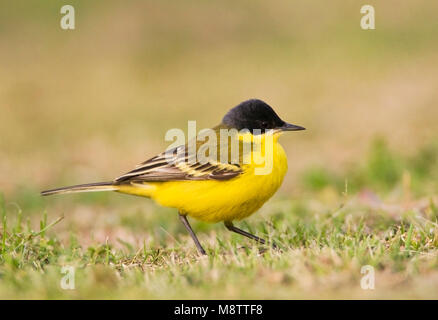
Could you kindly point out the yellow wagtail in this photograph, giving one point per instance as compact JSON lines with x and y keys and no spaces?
{"x":220,"y":188}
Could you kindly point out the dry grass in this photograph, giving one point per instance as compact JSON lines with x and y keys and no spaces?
{"x":86,"y":105}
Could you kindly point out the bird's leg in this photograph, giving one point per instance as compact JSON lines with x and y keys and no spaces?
{"x":186,"y":224}
{"x":229,"y":225}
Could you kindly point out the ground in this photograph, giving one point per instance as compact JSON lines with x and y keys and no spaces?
{"x":328,"y":238}
{"x":87,"y":105}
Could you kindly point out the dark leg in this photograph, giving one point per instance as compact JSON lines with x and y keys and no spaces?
{"x":231,"y":227}
{"x":186,"y":224}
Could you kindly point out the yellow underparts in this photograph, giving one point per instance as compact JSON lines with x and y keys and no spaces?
{"x":215,"y":201}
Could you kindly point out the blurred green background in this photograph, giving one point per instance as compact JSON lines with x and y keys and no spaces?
{"x":88,"y":104}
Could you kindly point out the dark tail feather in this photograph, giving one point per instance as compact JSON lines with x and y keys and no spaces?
{"x":89,"y":187}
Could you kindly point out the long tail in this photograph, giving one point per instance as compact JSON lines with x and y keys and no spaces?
{"x":89,"y":187}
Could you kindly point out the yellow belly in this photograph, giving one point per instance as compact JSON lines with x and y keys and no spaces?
{"x":215,"y":201}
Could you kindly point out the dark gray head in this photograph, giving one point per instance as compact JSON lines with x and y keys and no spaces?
{"x":256,"y":114}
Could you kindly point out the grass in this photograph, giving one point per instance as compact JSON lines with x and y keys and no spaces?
{"x":383,"y":170}
{"x":325,"y":238}
{"x":86,"y":105}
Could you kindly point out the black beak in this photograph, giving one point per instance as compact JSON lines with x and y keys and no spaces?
{"x":290,"y":127}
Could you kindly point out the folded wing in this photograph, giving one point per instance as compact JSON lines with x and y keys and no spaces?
{"x":177,"y":165}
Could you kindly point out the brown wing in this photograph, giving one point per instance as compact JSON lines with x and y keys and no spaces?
{"x":175,"y":165}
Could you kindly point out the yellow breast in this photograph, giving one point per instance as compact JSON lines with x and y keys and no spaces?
{"x":234,"y":199}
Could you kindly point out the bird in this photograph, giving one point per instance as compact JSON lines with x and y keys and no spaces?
{"x":219,"y":188}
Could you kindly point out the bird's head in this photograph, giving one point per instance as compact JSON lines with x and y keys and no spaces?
{"x":255,"y":114}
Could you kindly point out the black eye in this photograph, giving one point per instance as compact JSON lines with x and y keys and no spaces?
{"x":264,"y":124}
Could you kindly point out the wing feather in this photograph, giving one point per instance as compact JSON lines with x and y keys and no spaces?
{"x":174,"y":165}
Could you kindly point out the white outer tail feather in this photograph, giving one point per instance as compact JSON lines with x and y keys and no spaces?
{"x":89,"y":187}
